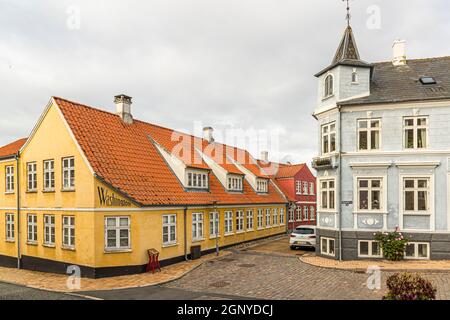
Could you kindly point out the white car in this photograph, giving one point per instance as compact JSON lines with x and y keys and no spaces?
{"x":304,"y":236}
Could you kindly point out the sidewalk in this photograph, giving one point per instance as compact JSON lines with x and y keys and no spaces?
{"x":363,"y":265}
{"x":57,"y":283}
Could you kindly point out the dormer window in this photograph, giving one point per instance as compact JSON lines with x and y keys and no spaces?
{"x":235,"y":183}
{"x":262,"y":186}
{"x":354,"y":76}
{"x":197,"y":179}
{"x":328,"y":90}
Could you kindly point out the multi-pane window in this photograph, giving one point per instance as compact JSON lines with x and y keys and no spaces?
{"x":262,"y":185}
{"x":415,"y":132}
{"x":416,"y":195}
{"x":305,"y":213}
{"x":32,"y":176}
{"x":328,"y":86}
{"x":49,"y":175}
{"x":32,"y":228}
{"x":117,"y":233}
{"x":235,"y":183}
{"x":267,"y":218}
{"x":329,"y":138}
{"x":169,"y":229}
{"x":260,"y":218}
{"x":9,"y":179}
{"x":298,"y":187}
{"x":10,"y":231}
{"x":250,"y":220}
{"x":68,"y":171}
{"x":197,"y":226}
{"x":369,"y":194}
{"x":311,"y":189}
{"x":305,"y":188}
{"x":281,"y":216}
{"x":299,"y":213}
{"x":69,"y":232}
{"x":197,"y":180}
{"x":312,"y":213}
{"x":214,"y":224}
{"x":49,"y":230}
{"x":228,"y":222}
{"x":327,"y":246}
{"x":327,"y":195}
{"x":275,"y":217}
{"x":355,"y":76}
{"x":239,"y":221}
{"x":417,"y":250}
{"x":369,"y":135}
{"x":369,"y":249}
{"x":291,"y":217}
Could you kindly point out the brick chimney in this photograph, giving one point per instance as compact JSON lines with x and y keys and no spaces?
{"x":265,"y":156}
{"x":208,"y":134}
{"x":123,"y":108}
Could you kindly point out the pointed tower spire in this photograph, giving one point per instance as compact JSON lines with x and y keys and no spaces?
{"x":347,"y":49}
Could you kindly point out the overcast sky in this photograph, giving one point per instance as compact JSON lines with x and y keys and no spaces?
{"x":227,"y":63}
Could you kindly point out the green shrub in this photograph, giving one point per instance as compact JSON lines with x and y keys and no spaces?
{"x":393,"y":245}
{"x":407,"y":286}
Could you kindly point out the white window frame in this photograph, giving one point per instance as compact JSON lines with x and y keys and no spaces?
{"x":369,"y":129}
{"x":328,"y":247}
{"x":214,"y":225}
{"x":68,"y":232}
{"x":197,"y":179}
{"x":291,"y":216}
{"x":170,"y":225}
{"x":305,"y":213}
{"x":31,"y":176}
{"x":250,"y":215}
{"x":268,"y":218}
{"x":49,"y":230}
{"x":235,"y":183}
{"x":415,"y":127}
{"x":431,"y":199}
{"x":68,"y":174}
{"x":312,"y":213}
{"x":260,"y":218}
{"x":355,"y":76}
{"x":9,"y":179}
{"x":262,"y":185}
{"x":32,"y":228}
{"x":298,"y":187}
{"x":239,"y":221}
{"x":282,"y":222}
{"x":383,"y":193}
{"x":328,"y":86}
{"x":49,"y":175}
{"x":275,"y":217}
{"x":229,"y":222}
{"x":197,"y":226}
{"x":416,"y":251}
{"x":117,"y":228}
{"x":329,"y":134}
{"x":10,"y":227}
{"x":305,"y":188}
{"x":311,"y":189}
{"x":299,"y":214}
{"x":370,"y":248}
{"x":328,"y":191}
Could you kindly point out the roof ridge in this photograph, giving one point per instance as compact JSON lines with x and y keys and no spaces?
{"x":417,"y":59}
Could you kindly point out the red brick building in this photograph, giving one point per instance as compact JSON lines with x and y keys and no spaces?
{"x":298,"y":184}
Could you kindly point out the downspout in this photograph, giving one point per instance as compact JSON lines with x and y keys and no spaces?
{"x":185,"y":234}
{"x":19,"y":254}
{"x":340,"y":184}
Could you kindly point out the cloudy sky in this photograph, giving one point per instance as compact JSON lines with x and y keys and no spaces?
{"x":242,"y":64}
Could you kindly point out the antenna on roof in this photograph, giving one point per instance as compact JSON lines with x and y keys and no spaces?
{"x":348,"y":16}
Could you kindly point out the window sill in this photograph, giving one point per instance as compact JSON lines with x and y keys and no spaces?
{"x":370,"y":212}
{"x":68,"y":248}
{"x":31,"y":191}
{"x":259,"y":229}
{"x":229,"y":234}
{"x":370,"y":257}
{"x":169,"y":245}
{"x":32,"y":243}
{"x":268,"y":227}
{"x":327,"y":97}
{"x":10,"y":241}
{"x":49,"y":191}
{"x":8,"y":193}
{"x":113,"y":251}
{"x":196,"y":240}
{"x":50,"y":246}
{"x":425,"y":214}
{"x":240,"y":232}
{"x":214,"y":237}
{"x":67,"y":190}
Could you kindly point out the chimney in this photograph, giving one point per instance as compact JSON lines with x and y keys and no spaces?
{"x":208,"y":134}
{"x":123,"y":108}
{"x":265,"y":156}
{"x":399,"y":49}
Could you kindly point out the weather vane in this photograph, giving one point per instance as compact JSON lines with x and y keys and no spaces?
{"x":348,"y":17}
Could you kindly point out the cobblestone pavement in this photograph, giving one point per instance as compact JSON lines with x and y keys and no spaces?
{"x":14,"y":292}
{"x":262,"y":276}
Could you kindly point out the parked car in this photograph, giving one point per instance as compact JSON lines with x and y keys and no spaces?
{"x":304,"y":236}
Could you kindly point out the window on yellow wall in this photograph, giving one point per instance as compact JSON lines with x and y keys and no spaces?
{"x":32,"y":228}
{"x":49,"y":175}
{"x":281,"y":216}
{"x":10,"y":229}
{"x":69,"y":232}
{"x":68,"y":173}
{"x":267,"y":218}
{"x":170,"y":229}
{"x":9,"y":179}
{"x":239,"y":221}
{"x":214,"y":224}
{"x":228,"y":222}
{"x":117,"y":233}
{"x":32,"y":176}
{"x":275,"y":217}
{"x":197,"y":226}
{"x":260,"y":218}
{"x":49,"y":230}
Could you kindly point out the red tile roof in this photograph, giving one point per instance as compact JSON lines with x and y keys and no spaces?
{"x":12,"y":148}
{"x":125,"y":157}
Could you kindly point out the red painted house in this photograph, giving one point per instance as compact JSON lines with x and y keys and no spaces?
{"x":298,"y":184}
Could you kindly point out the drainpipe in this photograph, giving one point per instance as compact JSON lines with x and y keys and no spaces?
{"x":340,"y":184}
{"x":18,"y":210}
{"x":185,"y":234}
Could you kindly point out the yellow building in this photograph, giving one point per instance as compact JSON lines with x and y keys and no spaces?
{"x":98,"y":189}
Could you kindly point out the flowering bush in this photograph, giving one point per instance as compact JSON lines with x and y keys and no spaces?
{"x":406,"y":286}
{"x":393,"y":245}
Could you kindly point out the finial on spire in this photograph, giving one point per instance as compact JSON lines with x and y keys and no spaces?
{"x":348,"y":17}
